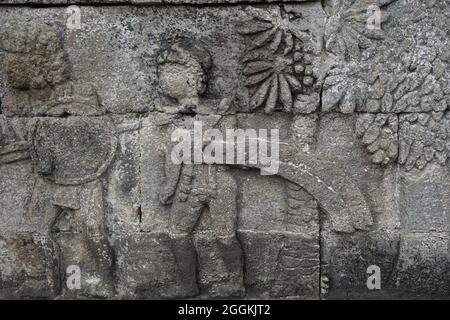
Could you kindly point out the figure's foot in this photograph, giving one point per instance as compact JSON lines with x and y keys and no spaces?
{"x":185,"y":290}
{"x":185,"y":259}
{"x":226,"y":290}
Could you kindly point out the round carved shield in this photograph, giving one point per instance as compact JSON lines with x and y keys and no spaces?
{"x":73,"y":150}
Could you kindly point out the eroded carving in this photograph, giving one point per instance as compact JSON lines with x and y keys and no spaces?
{"x":424,"y":139}
{"x":346,"y":31}
{"x":404,"y":76}
{"x":279,"y":61}
{"x":379,"y":133}
{"x":193,"y":189}
{"x":73,"y":150}
{"x":102,"y":192}
{"x":70,"y":149}
{"x":14,"y":145}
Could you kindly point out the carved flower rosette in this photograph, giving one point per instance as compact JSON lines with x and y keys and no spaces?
{"x":278,"y":61}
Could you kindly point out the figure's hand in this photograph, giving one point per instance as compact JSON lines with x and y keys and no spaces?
{"x":166,"y":196}
{"x":172,"y":109}
{"x":205,"y":192}
{"x":226,"y":104}
{"x":189,"y":104}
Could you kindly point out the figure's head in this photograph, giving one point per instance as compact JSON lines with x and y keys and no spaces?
{"x":34,"y":57}
{"x":182,"y":70}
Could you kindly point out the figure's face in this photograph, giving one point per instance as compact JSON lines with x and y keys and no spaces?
{"x":19,"y":73}
{"x":25,"y":71}
{"x":182,"y":82}
{"x":34,"y":58}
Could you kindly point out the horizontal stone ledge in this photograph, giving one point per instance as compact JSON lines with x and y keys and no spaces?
{"x":142,"y":2}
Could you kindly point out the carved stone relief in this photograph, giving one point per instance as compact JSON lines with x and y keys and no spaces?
{"x":87,"y":171}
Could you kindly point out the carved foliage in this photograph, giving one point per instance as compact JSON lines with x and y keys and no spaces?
{"x":346,"y":32}
{"x":405,"y":79}
{"x":379,"y":133}
{"x":278,"y":60}
{"x":424,"y":139}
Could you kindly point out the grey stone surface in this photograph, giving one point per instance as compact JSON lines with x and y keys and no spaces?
{"x":87,"y":117}
{"x":138,"y":2}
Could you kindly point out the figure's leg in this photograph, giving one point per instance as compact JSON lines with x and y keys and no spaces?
{"x":41,"y":217}
{"x":229,"y":281}
{"x":84,"y":243}
{"x":183,"y":219}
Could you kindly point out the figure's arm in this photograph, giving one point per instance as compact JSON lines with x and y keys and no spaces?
{"x":13,"y":146}
{"x":172,"y":176}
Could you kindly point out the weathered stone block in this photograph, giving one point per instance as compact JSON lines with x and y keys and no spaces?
{"x":347,"y":100}
{"x":281,"y":264}
{"x":423,"y":265}
{"x":28,"y":265}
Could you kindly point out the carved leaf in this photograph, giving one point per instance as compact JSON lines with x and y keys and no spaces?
{"x":257,"y":78}
{"x":261,"y":39}
{"x":295,"y":84}
{"x":257,"y":13}
{"x":363,"y":41}
{"x":363,"y":122}
{"x":275,"y":44}
{"x":253,"y":26}
{"x":260,"y":94}
{"x":273,"y":95}
{"x":348,"y":102}
{"x":285,"y":93}
{"x":376,"y":34}
{"x":371,"y":134}
{"x":259,"y":54}
{"x":257,"y":66}
{"x":331,"y":95}
{"x":331,"y":7}
{"x":289,"y":39}
{"x":298,"y":33}
{"x":352,"y":45}
{"x":387,"y":102}
{"x":335,"y":44}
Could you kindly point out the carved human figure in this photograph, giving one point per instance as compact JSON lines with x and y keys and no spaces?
{"x":69,"y":154}
{"x":195,"y":190}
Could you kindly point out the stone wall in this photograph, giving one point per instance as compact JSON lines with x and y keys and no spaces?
{"x":92,"y":93}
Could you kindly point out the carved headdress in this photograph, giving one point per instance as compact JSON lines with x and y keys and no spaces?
{"x":36,"y":67}
{"x":188,"y":53}
{"x":34,"y":58}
